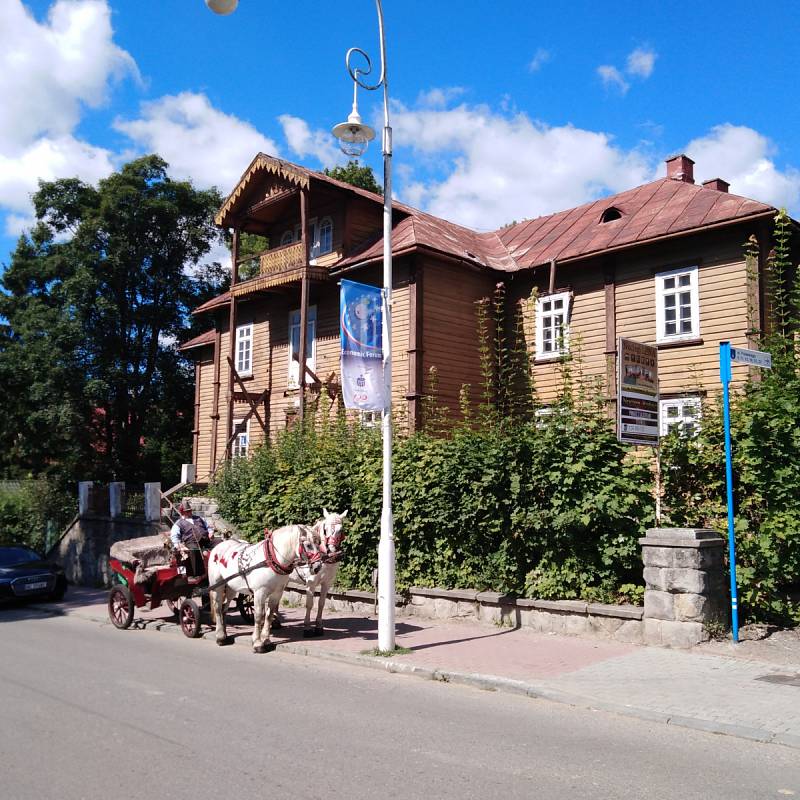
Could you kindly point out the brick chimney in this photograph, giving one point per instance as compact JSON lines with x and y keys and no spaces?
{"x":680,"y":168}
{"x":718,"y":184}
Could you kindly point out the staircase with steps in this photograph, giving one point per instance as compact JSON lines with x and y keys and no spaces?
{"x":208,"y":509}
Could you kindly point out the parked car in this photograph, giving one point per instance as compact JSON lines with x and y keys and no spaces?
{"x":25,"y":573}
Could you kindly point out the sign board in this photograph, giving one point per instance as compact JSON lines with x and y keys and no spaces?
{"x":755,"y":358}
{"x":361,"y":335}
{"x":637,"y":393}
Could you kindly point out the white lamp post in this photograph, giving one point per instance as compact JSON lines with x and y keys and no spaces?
{"x":354,"y":136}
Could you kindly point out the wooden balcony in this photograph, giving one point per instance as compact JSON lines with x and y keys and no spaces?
{"x":282,"y":259}
{"x":280,"y":267}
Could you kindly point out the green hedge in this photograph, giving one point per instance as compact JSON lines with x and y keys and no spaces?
{"x":546,"y":509}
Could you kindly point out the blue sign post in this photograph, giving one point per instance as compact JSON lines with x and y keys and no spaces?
{"x":753,"y":358}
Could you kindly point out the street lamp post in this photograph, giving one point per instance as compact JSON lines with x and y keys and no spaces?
{"x":354,"y":136}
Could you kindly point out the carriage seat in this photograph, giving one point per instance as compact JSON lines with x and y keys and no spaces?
{"x":147,"y":554}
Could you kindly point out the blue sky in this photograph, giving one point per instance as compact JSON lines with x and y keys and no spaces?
{"x":501,"y":110}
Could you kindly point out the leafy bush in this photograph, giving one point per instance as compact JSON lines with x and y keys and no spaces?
{"x":28,"y":509}
{"x":546,"y":507}
{"x":765,"y":432}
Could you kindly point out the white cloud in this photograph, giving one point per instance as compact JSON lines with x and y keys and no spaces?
{"x":540,"y":58}
{"x":439,"y":97}
{"x":611,"y":76}
{"x":304,"y":142}
{"x":744,"y":158}
{"x":483,"y":169}
{"x":197,"y":140}
{"x":641,"y":62}
{"x":49,"y":70}
{"x":47,"y":159}
{"x":17,"y":224}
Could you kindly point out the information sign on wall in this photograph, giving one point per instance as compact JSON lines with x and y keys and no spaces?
{"x":637,"y":393}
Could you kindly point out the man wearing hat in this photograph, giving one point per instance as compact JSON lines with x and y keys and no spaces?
{"x":187,"y":535}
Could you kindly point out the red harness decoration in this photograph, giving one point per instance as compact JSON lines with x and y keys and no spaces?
{"x":271,"y":557}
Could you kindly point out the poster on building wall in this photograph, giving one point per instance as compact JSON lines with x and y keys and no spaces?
{"x":360,"y":327}
{"x":637,"y":393}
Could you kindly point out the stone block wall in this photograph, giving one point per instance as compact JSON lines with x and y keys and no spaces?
{"x":685,"y":590}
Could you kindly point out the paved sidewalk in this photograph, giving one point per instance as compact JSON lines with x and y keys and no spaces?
{"x":712,"y":692}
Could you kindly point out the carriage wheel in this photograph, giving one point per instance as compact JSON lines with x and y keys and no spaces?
{"x":244,"y":604}
{"x":120,"y":606}
{"x":189,"y":615}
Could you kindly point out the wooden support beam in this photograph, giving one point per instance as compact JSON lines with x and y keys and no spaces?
{"x":245,"y":418}
{"x":415,"y":352}
{"x":246,"y":394}
{"x":609,"y":286}
{"x":552,"y":284}
{"x":303,"y":299}
{"x":232,"y":327}
{"x":215,"y":407}
{"x":278,"y":197}
{"x":196,"y":429}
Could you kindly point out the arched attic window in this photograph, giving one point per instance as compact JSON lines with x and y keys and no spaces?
{"x":287,"y":238}
{"x":610,"y":214}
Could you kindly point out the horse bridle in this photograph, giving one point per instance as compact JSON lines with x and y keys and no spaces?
{"x":328,"y":541}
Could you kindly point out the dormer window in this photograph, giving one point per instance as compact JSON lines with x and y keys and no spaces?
{"x":610,"y":214}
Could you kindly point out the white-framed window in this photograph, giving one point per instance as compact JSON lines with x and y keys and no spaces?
{"x":542,"y":415}
{"x":677,"y":305}
{"x":680,"y":413}
{"x":287,"y":238}
{"x":324,"y":236}
{"x":294,"y":344}
{"x":552,"y":325}
{"x":241,"y":444}
{"x":244,"y":350}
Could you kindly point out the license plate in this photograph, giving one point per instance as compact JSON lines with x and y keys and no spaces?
{"x":37,"y":585}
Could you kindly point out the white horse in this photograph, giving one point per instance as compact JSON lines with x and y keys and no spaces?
{"x":262,"y":569}
{"x":331,"y":536}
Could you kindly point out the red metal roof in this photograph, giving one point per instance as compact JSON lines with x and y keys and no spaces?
{"x":199,"y":341}
{"x":664,"y":207}
{"x":215,"y":302}
{"x":661,"y":208}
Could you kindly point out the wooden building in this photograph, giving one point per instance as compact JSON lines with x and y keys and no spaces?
{"x":661,"y":263}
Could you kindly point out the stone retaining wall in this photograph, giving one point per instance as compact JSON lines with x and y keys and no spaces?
{"x":620,"y":623}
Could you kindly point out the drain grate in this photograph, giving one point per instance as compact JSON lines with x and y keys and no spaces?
{"x":786,"y":680}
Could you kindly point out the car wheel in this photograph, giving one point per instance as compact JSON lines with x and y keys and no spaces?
{"x":120,"y":606}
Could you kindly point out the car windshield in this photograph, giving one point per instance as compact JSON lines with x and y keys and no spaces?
{"x":16,"y":555}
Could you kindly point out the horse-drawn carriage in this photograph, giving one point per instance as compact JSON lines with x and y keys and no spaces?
{"x":146,"y":571}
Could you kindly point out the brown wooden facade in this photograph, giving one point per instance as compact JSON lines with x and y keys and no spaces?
{"x":440,"y":272}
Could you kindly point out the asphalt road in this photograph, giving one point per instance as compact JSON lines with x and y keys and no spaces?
{"x":91,"y":712}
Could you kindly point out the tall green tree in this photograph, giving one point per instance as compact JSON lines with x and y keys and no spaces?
{"x":356,"y":175}
{"x":95,"y":300}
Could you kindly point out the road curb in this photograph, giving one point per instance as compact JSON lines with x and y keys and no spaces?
{"x":491,"y":683}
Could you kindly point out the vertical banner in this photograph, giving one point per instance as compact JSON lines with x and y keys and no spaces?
{"x":360,"y":325}
{"x":637,"y":393}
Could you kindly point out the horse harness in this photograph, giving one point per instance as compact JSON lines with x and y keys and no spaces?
{"x":270,"y":561}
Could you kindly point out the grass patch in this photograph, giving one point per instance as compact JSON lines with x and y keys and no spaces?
{"x":398,"y":651}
